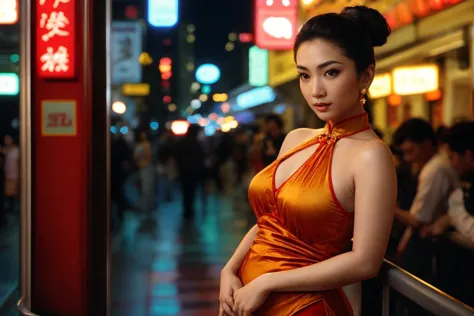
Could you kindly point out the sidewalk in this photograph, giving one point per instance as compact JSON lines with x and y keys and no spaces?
{"x":9,"y":259}
{"x":174,"y":268}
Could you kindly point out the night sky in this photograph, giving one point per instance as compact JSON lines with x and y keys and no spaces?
{"x":214,"y":20}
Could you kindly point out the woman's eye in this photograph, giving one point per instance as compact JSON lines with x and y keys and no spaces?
{"x":332,"y":73}
{"x":303,"y":76}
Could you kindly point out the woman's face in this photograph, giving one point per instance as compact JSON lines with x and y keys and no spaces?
{"x":329,"y":80}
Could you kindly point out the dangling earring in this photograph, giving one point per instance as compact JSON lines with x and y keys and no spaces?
{"x":362,"y":99}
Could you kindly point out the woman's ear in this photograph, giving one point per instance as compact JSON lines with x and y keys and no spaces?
{"x":366,"y":77}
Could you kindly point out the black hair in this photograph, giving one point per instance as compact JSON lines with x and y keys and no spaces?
{"x":356,"y":30}
{"x":416,"y":130}
{"x":441,"y":134}
{"x":274,"y":118}
{"x":460,"y":137}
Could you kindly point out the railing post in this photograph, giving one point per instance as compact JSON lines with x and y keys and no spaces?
{"x":371,"y":298}
{"x":386,"y":300}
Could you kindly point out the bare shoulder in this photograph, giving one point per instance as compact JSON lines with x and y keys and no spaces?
{"x":296,"y":137}
{"x":375,"y":151}
{"x":376,"y":155}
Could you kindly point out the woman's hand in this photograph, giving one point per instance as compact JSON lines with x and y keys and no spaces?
{"x":249,"y":298}
{"x":222,"y":311}
{"x":229,"y":284}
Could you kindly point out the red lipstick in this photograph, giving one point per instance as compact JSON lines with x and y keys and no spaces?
{"x":321,"y":107}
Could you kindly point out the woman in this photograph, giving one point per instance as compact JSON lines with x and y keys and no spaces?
{"x":326,"y":187}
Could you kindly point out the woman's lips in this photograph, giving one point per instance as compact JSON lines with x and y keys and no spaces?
{"x":321,"y":107}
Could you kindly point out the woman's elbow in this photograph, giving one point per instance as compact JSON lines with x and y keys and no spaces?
{"x":370,"y":270}
{"x":369,"y":266}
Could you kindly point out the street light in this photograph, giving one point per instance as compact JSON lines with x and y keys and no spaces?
{"x":119,"y":107}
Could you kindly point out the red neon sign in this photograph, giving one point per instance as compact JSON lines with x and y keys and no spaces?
{"x":276,"y":23}
{"x":8,"y":11}
{"x":55,"y":38}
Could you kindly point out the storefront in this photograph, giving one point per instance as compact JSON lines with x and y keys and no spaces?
{"x":435,"y":47}
{"x":437,"y":34}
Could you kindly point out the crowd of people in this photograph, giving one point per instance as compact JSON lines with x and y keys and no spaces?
{"x":435,"y":172}
{"x":191,"y":163}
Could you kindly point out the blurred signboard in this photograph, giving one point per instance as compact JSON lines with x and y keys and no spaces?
{"x":207,"y":74}
{"x":8,"y":11}
{"x":126,"y":49}
{"x":56,"y":38}
{"x":58,"y":118}
{"x":381,"y":86}
{"x":258,"y":66}
{"x":163,"y":13}
{"x":254,"y":97}
{"x":415,"y":80}
{"x":281,"y":67}
{"x":9,"y":84}
{"x":136,"y":89}
{"x":276,"y":23}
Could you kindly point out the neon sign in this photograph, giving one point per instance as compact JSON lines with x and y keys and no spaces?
{"x":55,"y":38}
{"x":276,"y":23}
{"x":208,"y":74}
{"x":255,"y":97}
{"x":8,"y":11}
{"x":258,"y":66}
{"x":163,"y":13}
{"x":9,"y":84}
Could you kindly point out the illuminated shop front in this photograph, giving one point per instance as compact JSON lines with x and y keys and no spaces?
{"x":437,"y":33}
{"x":407,"y":91}
{"x":436,"y":46}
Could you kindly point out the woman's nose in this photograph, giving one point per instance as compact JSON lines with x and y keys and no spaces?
{"x":318,"y":89}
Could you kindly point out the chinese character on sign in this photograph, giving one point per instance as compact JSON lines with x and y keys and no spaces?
{"x":56,"y":38}
{"x":56,"y":2}
{"x":59,"y":120}
{"x":55,"y":61}
{"x":55,"y":24}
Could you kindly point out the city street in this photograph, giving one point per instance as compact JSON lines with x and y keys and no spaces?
{"x":173,"y":267}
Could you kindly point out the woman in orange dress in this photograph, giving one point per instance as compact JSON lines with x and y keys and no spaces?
{"x":327,"y":186}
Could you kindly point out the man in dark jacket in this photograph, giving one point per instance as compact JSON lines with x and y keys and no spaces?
{"x":189,"y":157}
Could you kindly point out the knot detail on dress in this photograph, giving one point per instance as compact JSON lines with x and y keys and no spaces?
{"x":325,"y":138}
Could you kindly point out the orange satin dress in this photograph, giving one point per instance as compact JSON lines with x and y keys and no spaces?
{"x":301,"y":223}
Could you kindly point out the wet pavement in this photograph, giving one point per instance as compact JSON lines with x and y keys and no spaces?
{"x":9,"y":264}
{"x":172,"y":266}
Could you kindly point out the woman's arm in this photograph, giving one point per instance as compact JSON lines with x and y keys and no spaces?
{"x":375,"y":200}
{"x":236,"y":260}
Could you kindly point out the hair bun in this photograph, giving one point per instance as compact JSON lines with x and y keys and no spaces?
{"x":371,"y":21}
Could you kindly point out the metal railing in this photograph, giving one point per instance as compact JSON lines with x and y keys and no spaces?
{"x":23,"y":310}
{"x":418,"y":291}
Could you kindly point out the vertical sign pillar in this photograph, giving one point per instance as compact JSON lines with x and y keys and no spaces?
{"x":69,"y":86}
